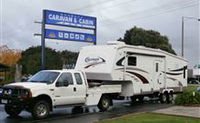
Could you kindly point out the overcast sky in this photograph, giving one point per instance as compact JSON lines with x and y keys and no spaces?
{"x":114,"y":17}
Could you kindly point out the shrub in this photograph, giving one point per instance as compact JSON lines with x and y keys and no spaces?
{"x":188,"y":97}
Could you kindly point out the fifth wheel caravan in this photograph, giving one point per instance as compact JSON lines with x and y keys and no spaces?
{"x":142,"y":71}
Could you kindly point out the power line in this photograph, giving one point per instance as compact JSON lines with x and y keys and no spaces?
{"x":92,"y":5}
{"x":166,"y":11}
{"x":147,"y":11}
{"x":113,"y":5}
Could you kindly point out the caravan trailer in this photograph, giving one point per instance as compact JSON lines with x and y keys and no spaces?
{"x":142,"y":71}
{"x":102,"y":73}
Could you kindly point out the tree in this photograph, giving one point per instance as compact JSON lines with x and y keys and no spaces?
{"x":148,"y":38}
{"x":69,"y":58}
{"x":54,"y":60}
{"x":31,"y":59}
{"x":9,"y":56}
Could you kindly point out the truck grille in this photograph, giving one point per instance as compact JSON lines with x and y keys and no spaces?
{"x":12,"y":92}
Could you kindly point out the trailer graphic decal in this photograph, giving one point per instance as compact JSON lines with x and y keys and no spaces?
{"x":119,"y":62}
{"x":180,"y":69}
{"x":130,"y":68}
{"x":94,"y":61}
{"x":142,"y":78}
{"x":175,"y":74}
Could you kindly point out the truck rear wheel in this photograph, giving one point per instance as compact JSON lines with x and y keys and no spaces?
{"x":12,"y":111}
{"x":104,"y":103}
{"x":40,"y":109}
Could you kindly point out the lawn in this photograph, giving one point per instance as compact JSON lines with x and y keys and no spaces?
{"x":151,"y":118}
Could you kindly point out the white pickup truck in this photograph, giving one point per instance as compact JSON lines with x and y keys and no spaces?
{"x":49,"y":89}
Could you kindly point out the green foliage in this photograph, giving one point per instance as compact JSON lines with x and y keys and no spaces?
{"x":69,"y":58}
{"x":31,"y":59}
{"x":9,"y":76}
{"x":148,"y":38}
{"x":188,"y":97}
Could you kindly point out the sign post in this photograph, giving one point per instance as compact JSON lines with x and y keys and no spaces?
{"x":68,"y":20}
{"x":43,"y":42}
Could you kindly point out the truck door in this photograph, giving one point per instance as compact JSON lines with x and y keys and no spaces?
{"x":80,"y":88}
{"x":65,"y":90}
{"x":158,"y":75}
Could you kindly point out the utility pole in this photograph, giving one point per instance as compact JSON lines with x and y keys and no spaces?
{"x":182,"y":43}
{"x":182,"y":35}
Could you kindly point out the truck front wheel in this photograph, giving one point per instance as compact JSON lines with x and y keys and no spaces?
{"x":40,"y":109}
{"x":12,"y":111}
{"x":104,"y":103}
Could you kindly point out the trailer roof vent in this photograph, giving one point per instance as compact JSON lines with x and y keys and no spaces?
{"x":115,"y":43}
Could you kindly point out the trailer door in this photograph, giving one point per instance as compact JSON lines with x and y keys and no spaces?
{"x":158,"y":76}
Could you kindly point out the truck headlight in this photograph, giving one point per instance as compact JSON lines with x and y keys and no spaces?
{"x":25,"y":93}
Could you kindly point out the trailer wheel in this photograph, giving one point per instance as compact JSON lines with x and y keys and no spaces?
{"x":40,"y":109}
{"x":12,"y":111}
{"x":133,"y":99}
{"x":141,"y":99}
{"x":104,"y":103}
{"x":170,"y":98}
{"x":163,"y":98}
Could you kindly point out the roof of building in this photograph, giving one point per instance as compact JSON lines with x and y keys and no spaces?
{"x":3,"y":67}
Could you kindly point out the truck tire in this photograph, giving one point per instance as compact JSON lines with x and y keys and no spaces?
{"x":40,"y":109}
{"x":170,"y":98}
{"x":104,"y":103}
{"x":12,"y":111}
{"x":163,"y":97}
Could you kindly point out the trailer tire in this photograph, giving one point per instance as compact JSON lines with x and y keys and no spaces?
{"x":12,"y":111}
{"x":104,"y":103}
{"x":40,"y":109}
{"x":133,"y":99}
{"x":141,"y":99}
{"x":163,"y":97}
{"x":170,"y":98}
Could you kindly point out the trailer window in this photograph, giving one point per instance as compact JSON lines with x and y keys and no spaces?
{"x":157,"y":65}
{"x":132,"y":61}
{"x":78,"y":79}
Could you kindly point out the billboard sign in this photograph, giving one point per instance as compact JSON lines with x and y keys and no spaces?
{"x":68,"y":35}
{"x":67,"y":19}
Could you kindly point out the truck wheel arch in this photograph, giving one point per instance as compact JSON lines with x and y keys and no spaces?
{"x":45,"y":98}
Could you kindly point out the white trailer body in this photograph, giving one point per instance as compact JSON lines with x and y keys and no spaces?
{"x":141,"y":70}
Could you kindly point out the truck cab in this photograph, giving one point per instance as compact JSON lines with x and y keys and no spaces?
{"x":45,"y":90}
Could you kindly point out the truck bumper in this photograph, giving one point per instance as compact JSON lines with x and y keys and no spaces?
{"x":14,"y":101}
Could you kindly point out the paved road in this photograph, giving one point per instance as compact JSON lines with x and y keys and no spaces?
{"x":87,"y":115}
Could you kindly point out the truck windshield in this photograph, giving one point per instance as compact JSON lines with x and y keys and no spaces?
{"x":44,"y":77}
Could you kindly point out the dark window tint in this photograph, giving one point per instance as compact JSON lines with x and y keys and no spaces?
{"x":157,"y":65}
{"x":78,"y":78}
{"x":65,"y":78}
{"x":132,"y":61}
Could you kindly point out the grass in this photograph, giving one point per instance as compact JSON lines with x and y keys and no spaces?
{"x":151,"y":118}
